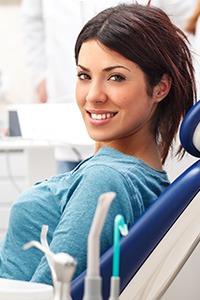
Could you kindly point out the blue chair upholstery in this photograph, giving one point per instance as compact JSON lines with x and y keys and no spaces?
{"x":151,"y":227}
{"x":187,"y":130}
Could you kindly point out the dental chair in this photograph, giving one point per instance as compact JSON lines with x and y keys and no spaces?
{"x":162,"y":239}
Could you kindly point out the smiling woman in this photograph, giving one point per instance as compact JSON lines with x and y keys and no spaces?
{"x":113,"y":97}
{"x":135,"y":82}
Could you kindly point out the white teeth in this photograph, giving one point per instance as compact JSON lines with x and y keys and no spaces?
{"x":101,"y":116}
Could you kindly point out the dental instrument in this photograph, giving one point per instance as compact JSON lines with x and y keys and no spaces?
{"x":93,"y":281}
{"x":43,"y":240}
{"x":62,"y":266}
{"x":119,"y":227}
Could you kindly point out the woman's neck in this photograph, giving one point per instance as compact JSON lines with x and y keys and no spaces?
{"x":146,"y":150}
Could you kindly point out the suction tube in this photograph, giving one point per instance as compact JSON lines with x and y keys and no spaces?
{"x":119,"y":227}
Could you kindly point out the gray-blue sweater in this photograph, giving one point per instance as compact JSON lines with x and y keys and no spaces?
{"x":67,"y":202}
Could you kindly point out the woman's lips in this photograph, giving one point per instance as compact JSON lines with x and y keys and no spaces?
{"x":100,"y":117}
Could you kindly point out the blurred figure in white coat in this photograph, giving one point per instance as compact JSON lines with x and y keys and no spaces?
{"x":193,"y":27}
{"x":179,"y":11}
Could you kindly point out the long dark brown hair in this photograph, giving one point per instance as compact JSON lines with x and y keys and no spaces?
{"x":146,"y":36}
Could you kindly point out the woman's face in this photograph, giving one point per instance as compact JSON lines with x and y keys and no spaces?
{"x":111,"y":93}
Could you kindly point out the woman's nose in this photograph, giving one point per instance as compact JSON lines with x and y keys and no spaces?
{"x":96,"y":93}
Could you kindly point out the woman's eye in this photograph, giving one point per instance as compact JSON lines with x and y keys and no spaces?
{"x":83,"y":76}
{"x":117,"y":77}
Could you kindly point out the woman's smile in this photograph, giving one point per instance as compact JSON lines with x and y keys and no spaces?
{"x":100,"y":117}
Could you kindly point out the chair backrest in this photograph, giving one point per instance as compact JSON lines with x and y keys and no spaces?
{"x":146,"y":233}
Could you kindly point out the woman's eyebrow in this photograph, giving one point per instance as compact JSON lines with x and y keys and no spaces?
{"x":106,"y":69}
{"x":83,"y":68}
{"x":115,"y":67}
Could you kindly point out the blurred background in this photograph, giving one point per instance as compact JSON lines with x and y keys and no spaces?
{"x":16,"y":87}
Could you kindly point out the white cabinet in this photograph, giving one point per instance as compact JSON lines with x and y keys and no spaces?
{"x":12,"y":182}
{"x":21,"y":165}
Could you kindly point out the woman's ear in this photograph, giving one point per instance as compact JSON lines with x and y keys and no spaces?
{"x":161,"y":90}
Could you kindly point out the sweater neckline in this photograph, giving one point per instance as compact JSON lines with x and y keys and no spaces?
{"x":106,"y":150}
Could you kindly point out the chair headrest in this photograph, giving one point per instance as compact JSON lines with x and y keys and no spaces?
{"x":190,"y":131}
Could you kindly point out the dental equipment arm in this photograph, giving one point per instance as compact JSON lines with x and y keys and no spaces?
{"x":92,"y":290}
{"x":43,"y":240}
{"x":62,"y":266}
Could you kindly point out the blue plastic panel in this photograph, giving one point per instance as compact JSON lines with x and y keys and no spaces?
{"x":187,"y":129}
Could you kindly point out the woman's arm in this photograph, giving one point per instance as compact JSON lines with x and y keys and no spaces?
{"x":73,"y":228}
